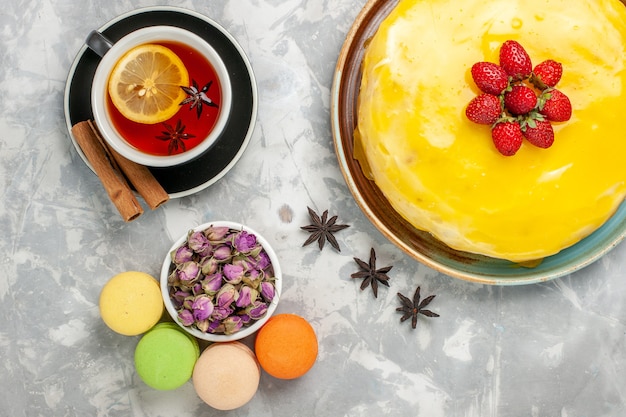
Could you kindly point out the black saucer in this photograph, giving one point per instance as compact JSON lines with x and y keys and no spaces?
{"x":213,"y":164}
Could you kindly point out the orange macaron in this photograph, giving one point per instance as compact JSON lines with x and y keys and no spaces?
{"x":286,"y":346}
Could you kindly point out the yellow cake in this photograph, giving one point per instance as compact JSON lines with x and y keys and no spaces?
{"x":442,"y":173}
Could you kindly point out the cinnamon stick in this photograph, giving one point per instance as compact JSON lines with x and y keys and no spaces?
{"x":118,"y":190}
{"x":139,"y":175}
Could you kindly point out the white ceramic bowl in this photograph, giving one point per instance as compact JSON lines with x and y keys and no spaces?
{"x":100,"y":84}
{"x":244,"y":331}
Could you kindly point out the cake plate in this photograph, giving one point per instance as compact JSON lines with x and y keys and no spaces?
{"x":421,"y":245}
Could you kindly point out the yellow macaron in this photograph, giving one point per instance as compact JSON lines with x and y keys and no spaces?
{"x":131,"y":303}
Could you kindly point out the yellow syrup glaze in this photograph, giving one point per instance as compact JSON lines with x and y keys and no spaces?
{"x":442,"y":172}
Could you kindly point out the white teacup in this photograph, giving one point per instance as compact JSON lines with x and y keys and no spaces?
{"x":111,"y":54}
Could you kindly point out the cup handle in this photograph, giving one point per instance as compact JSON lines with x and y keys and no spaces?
{"x":98,"y":43}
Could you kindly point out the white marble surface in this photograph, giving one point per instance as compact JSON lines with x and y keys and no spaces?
{"x":553,"y":349}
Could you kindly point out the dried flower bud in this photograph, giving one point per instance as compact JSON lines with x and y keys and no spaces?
{"x":187,"y":303}
{"x":215,"y":327}
{"x":245,"y":318}
{"x":216,"y":234}
{"x":203,"y":325}
{"x":211,"y":284}
{"x":179,"y":296}
{"x":252,"y":279}
{"x":188,"y":272}
{"x":198,"y":242}
{"x":222,"y":253}
{"x":226,"y":295}
{"x":246,"y":297}
{"x":185,"y":317}
{"x":244,"y":242}
{"x":220,"y":313}
{"x":232,"y":324}
{"x":268,"y":291}
{"x":208,"y":265}
{"x":263,"y":261}
{"x":172,"y":279}
{"x":256,"y":310}
{"x":233,"y":273}
{"x":196,"y":289}
{"x":243,"y":261}
{"x":182,"y":255}
{"x":202,"y":308}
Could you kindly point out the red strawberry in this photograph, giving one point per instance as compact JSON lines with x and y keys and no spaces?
{"x":547,"y":74}
{"x":539,"y":133}
{"x":555,"y":105}
{"x":520,"y":100}
{"x":490,"y":78}
{"x":484,"y":109}
{"x":515,"y":60}
{"x":507,"y":137}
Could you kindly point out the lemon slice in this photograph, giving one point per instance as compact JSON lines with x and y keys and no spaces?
{"x":145,"y":84}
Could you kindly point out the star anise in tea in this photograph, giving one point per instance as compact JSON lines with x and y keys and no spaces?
{"x":322,"y":229}
{"x":197,"y":97}
{"x":371,"y":275}
{"x":413,"y":308}
{"x":176,"y":135}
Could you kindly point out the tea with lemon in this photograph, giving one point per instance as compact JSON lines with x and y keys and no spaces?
{"x":164,"y":98}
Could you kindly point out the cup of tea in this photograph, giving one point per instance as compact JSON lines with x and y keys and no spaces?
{"x":160,"y":96}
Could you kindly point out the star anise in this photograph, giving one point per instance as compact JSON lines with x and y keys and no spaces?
{"x":370,"y":274}
{"x":197,"y":97}
{"x":413,"y":308}
{"x":322,"y":229}
{"x":176,"y":135}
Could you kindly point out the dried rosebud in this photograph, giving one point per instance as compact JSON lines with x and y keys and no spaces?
{"x":246,"y":297}
{"x":226,"y":295}
{"x":243,"y":261}
{"x":215,"y":327}
{"x":221,"y":312}
{"x":222,"y":253}
{"x":216,"y":234}
{"x":233,"y":273}
{"x":198,"y":242}
{"x":251,"y":256}
{"x":252,"y":279}
{"x":202,"y":308}
{"x":172,"y":279}
{"x":256,"y":310}
{"x":187,"y":302}
{"x":268,"y":291}
{"x":185,"y":317}
{"x":263,"y":261}
{"x":182,"y":255}
{"x":244,"y":242}
{"x":188,"y":272}
{"x":211,"y":284}
{"x":197,"y":288}
{"x":208,"y":265}
{"x":203,"y":325}
{"x":179,"y":296}
{"x":232,"y":324}
{"x":245,"y":318}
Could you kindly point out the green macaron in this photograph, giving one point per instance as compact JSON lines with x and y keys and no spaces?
{"x":165,"y":356}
